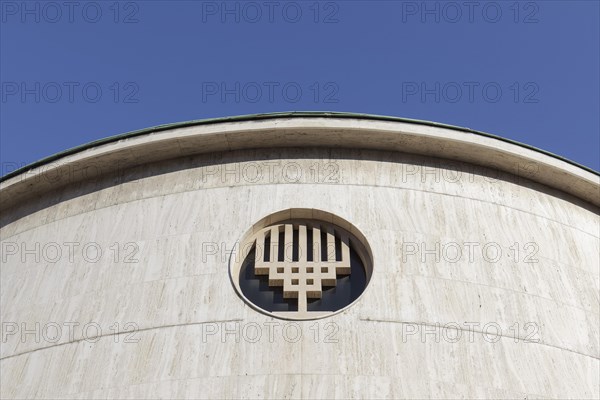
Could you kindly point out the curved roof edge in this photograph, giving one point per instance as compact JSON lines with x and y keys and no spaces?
{"x":290,"y":114}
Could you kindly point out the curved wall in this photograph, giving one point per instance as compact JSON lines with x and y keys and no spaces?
{"x":485,"y":282}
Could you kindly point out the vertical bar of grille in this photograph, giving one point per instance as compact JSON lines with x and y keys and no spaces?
{"x":259,"y":246}
{"x":317,"y":244}
{"x":345,"y":266}
{"x":345,"y":248}
{"x":302,"y":244}
{"x":288,"y":243}
{"x":330,"y":245}
{"x":274,"y":244}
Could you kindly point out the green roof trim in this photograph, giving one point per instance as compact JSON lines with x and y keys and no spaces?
{"x":258,"y":117}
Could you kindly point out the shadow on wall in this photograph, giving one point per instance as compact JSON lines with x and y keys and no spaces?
{"x":74,"y":188}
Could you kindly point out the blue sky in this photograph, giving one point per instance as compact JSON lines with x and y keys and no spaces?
{"x":80,"y":71}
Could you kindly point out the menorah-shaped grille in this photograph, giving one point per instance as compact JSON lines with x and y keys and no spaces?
{"x":302,"y":266}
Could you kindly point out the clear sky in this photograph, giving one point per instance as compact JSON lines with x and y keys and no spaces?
{"x":77,"y":71}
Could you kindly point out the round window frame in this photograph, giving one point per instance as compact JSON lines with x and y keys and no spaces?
{"x":296,"y":215}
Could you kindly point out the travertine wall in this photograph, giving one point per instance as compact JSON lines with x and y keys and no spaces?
{"x":522,"y":295}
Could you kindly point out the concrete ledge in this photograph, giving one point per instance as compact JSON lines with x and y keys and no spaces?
{"x":302,"y":131}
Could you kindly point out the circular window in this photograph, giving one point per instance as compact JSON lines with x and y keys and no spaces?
{"x":301,"y":264}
